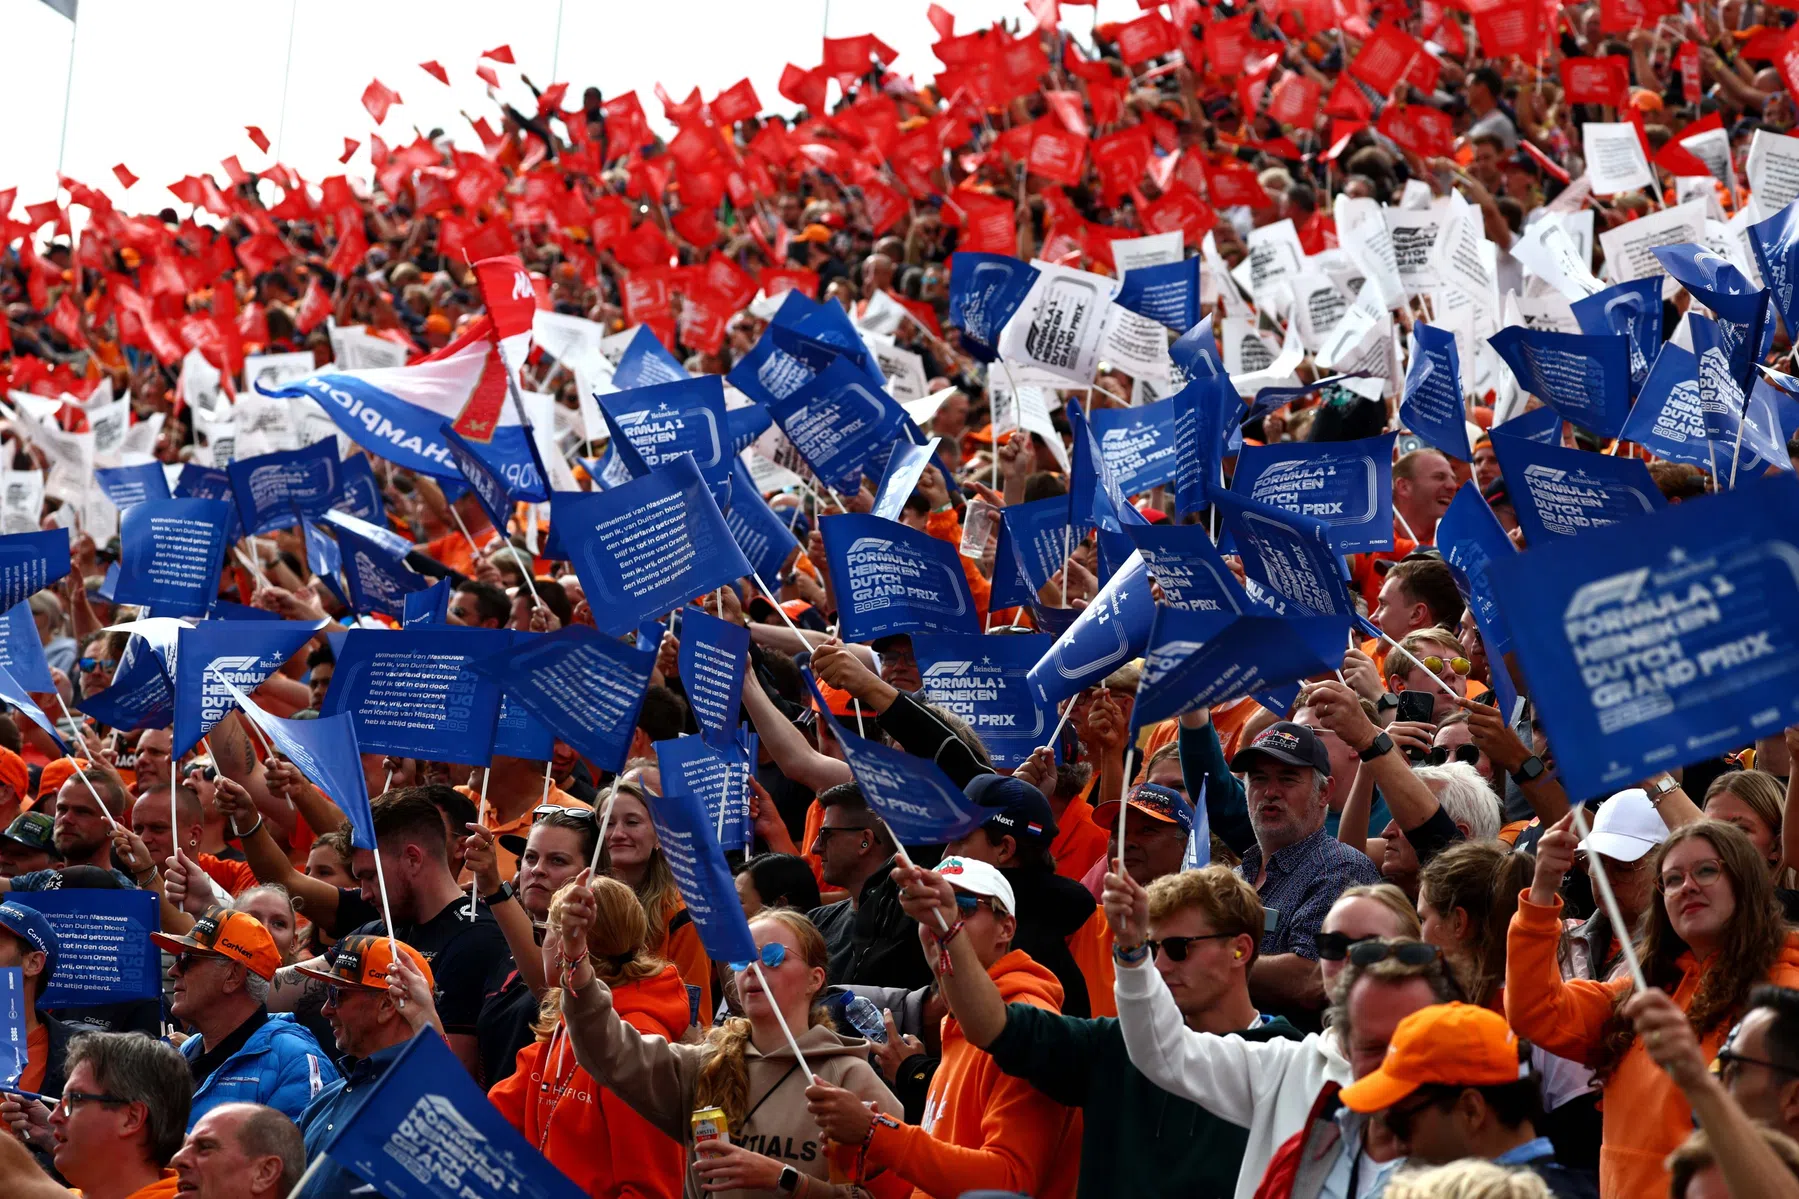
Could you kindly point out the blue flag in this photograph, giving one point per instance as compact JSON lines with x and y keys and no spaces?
{"x":690,"y":843}
{"x":891,"y":578}
{"x":1586,"y":379}
{"x":13,"y":693}
{"x":275,"y":490}
{"x":839,"y":421}
{"x":646,"y":362}
{"x":1740,"y":306}
{"x":1288,"y":554}
{"x":426,"y":1131}
{"x":1137,"y":443}
{"x":325,"y":750}
{"x":1470,"y":538}
{"x":984,"y":291}
{"x":412,"y":695}
{"x":1667,"y":640}
{"x":226,"y":610}
{"x":1038,"y":534}
{"x":1167,"y":294}
{"x":1541,"y":425}
{"x":1206,"y":411}
{"x":215,"y":653}
{"x":1432,"y":407}
{"x":128,"y":485}
{"x":914,"y":796}
{"x":905,"y":466}
{"x":765,"y":540}
{"x":1633,"y":309}
{"x":104,"y":954}
{"x":1192,"y":574}
{"x":141,"y":696}
{"x":361,"y":493}
{"x":1197,"y":659}
{"x":378,"y":581}
{"x":15,"y":1046}
{"x":381,"y":535}
{"x":208,"y":483}
{"x":645,"y":548}
{"x":430,"y":606}
{"x":495,"y":492}
{"x":711,"y":661}
{"x":1776,"y":244}
{"x":1668,"y":418}
{"x":1345,"y":485}
{"x":170,"y":555}
{"x":670,"y":419}
{"x":1105,"y":635}
{"x":29,"y":562}
{"x":21,"y":652}
{"x":1094,"y":493}
{"x":516,"y":732}
{"x":718,"y":776}
{"x":1561,"y":493}
{"x":584,"y":686}
{"x":986,"y":681}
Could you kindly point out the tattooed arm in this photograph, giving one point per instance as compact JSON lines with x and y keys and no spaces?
{"x":235,"y":757}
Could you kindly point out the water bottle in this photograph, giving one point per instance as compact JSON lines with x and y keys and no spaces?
{"x":864,"y":1017}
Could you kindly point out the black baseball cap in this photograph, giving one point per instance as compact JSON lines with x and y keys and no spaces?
{"x":1022,"y":811}
{"x":1284,"y":741}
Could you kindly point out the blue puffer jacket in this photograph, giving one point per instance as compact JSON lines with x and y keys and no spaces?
{"x":281,"y":1065}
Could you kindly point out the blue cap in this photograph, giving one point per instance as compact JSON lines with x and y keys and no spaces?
{"x":29,"y":926}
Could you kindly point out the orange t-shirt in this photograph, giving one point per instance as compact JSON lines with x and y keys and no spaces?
{"x":1079,"y":842}
{"x":235,"y":877}
{"x":521,"y":827}
{"x":162,"y":1188}
{"x":452,"y":549}
{"x":37,"y":1048}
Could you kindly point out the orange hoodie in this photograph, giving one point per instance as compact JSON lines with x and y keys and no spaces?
{"x":947,"y":526}
{"x":1645,"y":1116}
{"x":589,"y":1134}
{"x":984,"y":1130}
{"x":681,"y":945}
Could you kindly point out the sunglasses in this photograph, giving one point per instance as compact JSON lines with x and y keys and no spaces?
{"x":92,"y":663}
{"x":548,"y":809}
{"x":1334,"y":947}
{"x":966,"y":904}
{"x":1177,"y":948}
{"x":1399,"y":1119}
{"x":772,"y":955}
{"x":1439,"y":754}
{"x":1411,"y":953}
{"x":1435,"y":664}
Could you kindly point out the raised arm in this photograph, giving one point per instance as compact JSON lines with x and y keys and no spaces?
{"x":235,"y":756}
{"x":268,"y":861}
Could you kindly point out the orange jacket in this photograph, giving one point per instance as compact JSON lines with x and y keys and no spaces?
{"x":1645,"y":1116}
{"x":1091,"y":947}
{"x":1079,"y":842}
{"x":947,"y":526}
{"x":589,"y":1133}
{"x":681,"y":945}
{"x":984,"y":1130}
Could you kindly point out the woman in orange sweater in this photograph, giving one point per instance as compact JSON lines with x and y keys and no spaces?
{"x":634,"y":856}
{"x":1714,"y":934}
{"x":586,"y":1131}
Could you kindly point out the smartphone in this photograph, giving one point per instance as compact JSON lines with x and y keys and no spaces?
{"x":1417,"y":706}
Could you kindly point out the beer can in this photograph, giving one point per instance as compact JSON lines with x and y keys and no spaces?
{"x":709,"y":1125}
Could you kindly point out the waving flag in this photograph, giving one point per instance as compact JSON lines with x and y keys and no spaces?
{"x":171,"y":553}
{"x":585,"y":686}
{"x":276,"y":491}
{"x":984,"y":291}
{"x":141,"y":696}
{"x":986,"y":681}
{"x":1167,"y":294}
{"x":1289,"y":554}
{"x":1105,"y":635}
{"x":216,"y":657}
{"x":377,"y":580}
{"x":665,"y":420}
{"x":892,"y":578}
{"x":1197,"y":659}
{"x":718,"y":776}
{"x":13,"y":693}
{"x":765,"y":540}
{"x":646,"y":362}
{"x":397,"y":412}
{"x":412,"y":695}
{"x":1668,"y":418}
{"x":1432,"y":407}
{"x":1347,"y":485}
{"x":1562,"y":493}
{"x":711,"y":658}
{"x":1186,"y":565}
{"x":128,"y":485}
{"x":1741,"y":307}
{"x":29,"y":562}
{"x":21,"y":651}
{"x":1586,"y":379}
{"x":1138,"y":444}
{"x":1633,"y":309}
{"x":839,"y":421}
{"x":1776,"y":245}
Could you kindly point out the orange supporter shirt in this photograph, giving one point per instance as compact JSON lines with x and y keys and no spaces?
{"x":1079,"y":842}
{"x":947,"y":526}
{"x":504,"y":858}
{"x":235,"y":877}
{"x":1091,"y":947}
{"x":681,"y":945}
{"x":37,"y":1047}
{"x":452,"y":549}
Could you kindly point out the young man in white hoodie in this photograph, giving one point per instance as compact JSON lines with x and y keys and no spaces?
{"x":1269,"y":1087}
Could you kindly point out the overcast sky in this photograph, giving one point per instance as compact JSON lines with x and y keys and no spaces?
{"x":167,"y":86}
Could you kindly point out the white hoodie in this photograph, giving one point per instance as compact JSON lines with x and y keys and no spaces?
{"x":1267,"y":1087}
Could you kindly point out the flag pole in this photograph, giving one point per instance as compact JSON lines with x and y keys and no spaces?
{"x":756,"y":965}
{"x":293,"y":11}
{"x":556,"y":46}
{"x":110,"y":822}
{"x":1441,"y":685}
{"x":312,"y":1169}
{"x":1604,"y":885}
{"x":605,"y":820}
{"x":480,"y":818}
{"x":68,"y":91}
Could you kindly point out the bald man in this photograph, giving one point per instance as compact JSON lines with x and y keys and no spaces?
{"x":240,"y":1151}
{"x":150,"y":817}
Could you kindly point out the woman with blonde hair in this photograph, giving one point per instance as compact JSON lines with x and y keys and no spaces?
{"x":1470,"y":1178}
{"x":633,"y":855}
{"x":1754,"y":801}
{"x":745,"y":1066}
{"x":587,"y":1132}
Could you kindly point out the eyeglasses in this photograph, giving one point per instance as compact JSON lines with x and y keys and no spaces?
{"x":1439,"y":754}
{"x":74,"y":1099}
{"x":103,"y":663}
{"x":1177,"y":948}
{"x":1399,"y":1119}
{"x":1703,"y":874}
{"x":772,"y":955}
{"x":1434,"y":664}
{"x":1411,"y":953}
{"x":1334,"y":947}
{"x":1730,"y":1064}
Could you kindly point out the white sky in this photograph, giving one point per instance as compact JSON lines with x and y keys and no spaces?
{"x":167,"y":86}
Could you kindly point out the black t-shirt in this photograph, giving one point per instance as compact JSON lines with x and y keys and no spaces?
{"x":211,"y":1059}
{"x":505,"y":1027}
{"x":467,"y":959}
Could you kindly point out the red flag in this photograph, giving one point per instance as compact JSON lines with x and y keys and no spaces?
{"x":261,"y":254}
{"x":1233,"y":184}
{"x":1294,"y":100}
{"x":698,"y":226}
{"x":1594,"y":80}
{"x":377,"y":97}
{"x":729,"y":282}
{"x":785,"y":279}
{"x":1179,"y":209}
{"x":506,"y":290}
{"x":253,"y":325}
{"x":313,"y":309}
{"x":1121,"y":159}
{"x":235,"y":172}
{"x":125,"y":178}
{"x":1555,"y":169}
{"x":502,"y":53}
{"x":1386,"y":57}
{"x":1149,"y":36}
{"x":350,"y":145}
{"x":1056,"y":154}
{"x":436,"y":71}
{"x":848,"y":57}
{"x":65,"y":318}
{"x":1227,"y":44}
{"x":942,"y":20}
{"x":1687,"y":60}
{"x":487,"y":75}
{"x":551,"y":99}
{"x":737,"y":103}
{"x":1424,"y":131}
{"x":885,"y":206}
{"x":805,"y":88}
{"x":1509,"y":30}
{"x":258,"y":138}
{"x":1069,"y":110}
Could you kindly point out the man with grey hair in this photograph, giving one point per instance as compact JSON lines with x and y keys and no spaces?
{"x":121,"y":1119}
{"x":1465,"y":810}
{"x":240,"y":1053}
{"x":241,"y":1151}
{"x":1297,"y":868}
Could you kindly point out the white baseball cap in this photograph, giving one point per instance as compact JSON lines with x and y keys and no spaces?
{"x":1627,"y":827}
{"x":978,"y":878}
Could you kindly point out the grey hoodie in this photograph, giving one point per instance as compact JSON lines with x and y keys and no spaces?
{"x":657,"y":1080}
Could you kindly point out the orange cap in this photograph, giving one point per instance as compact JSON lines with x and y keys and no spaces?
{"x":1454,"y":1044}
{"x":14,"y":774}
{"x":224,"y":933}
{"x":364,"y":961}
{"x":54,"y":775}
{"x":842,"y":704}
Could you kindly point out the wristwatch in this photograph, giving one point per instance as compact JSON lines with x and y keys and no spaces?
{"x":1382,"y":744}
{"x":505,"y":892}
{"x":1659,"y":791}
{"x":1529,"y":771}
{"x":789,"y":1181}
{"x":1388,"y":702}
